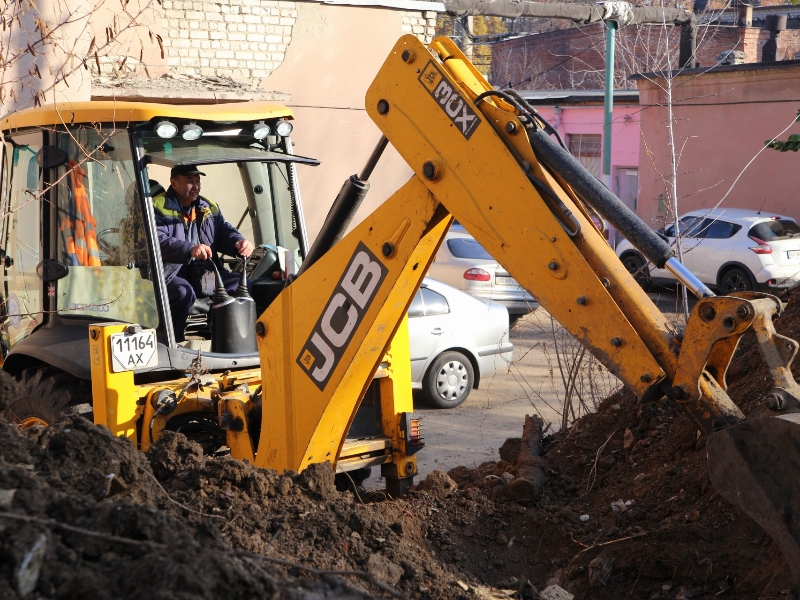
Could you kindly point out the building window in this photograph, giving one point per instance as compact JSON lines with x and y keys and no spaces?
{"x":587,"y":148}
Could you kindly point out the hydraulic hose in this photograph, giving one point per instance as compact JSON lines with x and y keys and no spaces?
{"x":612,"y":209}
{"x":594,"y":193}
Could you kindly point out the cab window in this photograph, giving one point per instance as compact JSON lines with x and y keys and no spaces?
{"x":99,"y":230}
{"x":20,"y":301}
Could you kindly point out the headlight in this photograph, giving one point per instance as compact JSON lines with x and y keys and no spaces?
{"x":192,"y":131}
{"x":260,"y":130}
{"x":165,"y":129}
{"x":283,"y":128}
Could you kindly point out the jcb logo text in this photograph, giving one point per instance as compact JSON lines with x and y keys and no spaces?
{"x":342,"y":315}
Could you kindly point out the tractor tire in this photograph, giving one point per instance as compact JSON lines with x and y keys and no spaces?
{"x":45,"y":394}
{"x":449,"y":380}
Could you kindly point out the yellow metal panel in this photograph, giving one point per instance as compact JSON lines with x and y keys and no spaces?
{"x":114,"y":395}
{"x":310,"y":395}
{"x":396,"y":396}
{"x":238,"y":441}
{"x":431,"y":119}
{"x":125,"y":113}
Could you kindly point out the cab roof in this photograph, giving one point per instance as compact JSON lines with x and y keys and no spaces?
{"x":122,"y":113}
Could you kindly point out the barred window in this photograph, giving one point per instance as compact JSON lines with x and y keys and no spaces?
{"x":587,"y":148}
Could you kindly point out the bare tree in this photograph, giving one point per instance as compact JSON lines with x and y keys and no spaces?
{"x":49,"y":48}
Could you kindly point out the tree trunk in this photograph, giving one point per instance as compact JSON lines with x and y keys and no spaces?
{"x":531,"y":468}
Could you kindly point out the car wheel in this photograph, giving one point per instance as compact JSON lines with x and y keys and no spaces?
{"x":636,"y":266}
{"x":736,"y":280}
{"x":513,"y":320}
{"x":449,"y":380}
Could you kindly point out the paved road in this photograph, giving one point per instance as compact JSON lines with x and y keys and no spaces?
{"x":532,"y":383}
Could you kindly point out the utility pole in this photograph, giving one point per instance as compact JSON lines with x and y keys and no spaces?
{"x":608,"y":101}
{"x":466,"y":41}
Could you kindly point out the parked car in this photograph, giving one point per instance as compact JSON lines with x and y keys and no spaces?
{"x":457,"y":341}
{"x":730,"y":250}
{"x":464,"y":264}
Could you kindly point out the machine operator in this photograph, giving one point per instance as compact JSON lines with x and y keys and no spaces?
{"x":192,"y":230}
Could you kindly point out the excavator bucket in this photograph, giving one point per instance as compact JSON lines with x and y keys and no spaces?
{"x":755,"y":465}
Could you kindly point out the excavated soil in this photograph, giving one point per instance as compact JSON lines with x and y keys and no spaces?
{"x":627,"y":512}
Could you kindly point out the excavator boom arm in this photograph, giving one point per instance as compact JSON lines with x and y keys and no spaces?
{"x":482,"y":156}
{"x":325,"y":335}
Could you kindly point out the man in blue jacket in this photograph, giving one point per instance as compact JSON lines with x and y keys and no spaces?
{"x":192,"y":227}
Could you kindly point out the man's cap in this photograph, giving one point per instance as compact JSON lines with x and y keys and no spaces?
{"x":185,"y":170}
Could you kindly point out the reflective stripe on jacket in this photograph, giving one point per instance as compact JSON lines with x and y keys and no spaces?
{"x":214,"y":231}
{"x":78,"y":225}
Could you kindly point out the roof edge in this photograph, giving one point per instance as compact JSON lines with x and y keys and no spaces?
{"x":109,"y":111}
{"x":757,"y":66}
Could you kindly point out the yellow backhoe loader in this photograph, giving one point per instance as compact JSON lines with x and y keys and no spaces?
{"x":332,"y":350}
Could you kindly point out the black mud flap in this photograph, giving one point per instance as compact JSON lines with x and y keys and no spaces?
{"x":756,"y":466}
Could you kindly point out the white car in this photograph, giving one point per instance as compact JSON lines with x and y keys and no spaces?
{"x":729,"y":249}
{"x":456,"y":342}
{"x":464,"y":264}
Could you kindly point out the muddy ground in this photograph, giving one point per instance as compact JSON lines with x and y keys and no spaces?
{"x":85,"y":515}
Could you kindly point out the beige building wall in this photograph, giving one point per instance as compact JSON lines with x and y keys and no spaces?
{"x":722,"y":119}
{"x":317,"y":58}
{"x":335,"y":53}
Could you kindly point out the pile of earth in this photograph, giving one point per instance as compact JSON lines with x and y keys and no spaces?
{"x":627,"y":511}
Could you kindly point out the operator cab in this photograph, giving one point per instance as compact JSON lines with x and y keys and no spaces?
{"x":79,"y":242}
{"x":252,"y":180}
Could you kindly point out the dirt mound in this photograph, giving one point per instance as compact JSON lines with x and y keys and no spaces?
{"x":629,"y":510}
{"x":85,"y":515}
{"x":626,"y":511}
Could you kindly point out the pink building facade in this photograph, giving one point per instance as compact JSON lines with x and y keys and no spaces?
{"x":578,"y":117}
{"x":722,"y":117}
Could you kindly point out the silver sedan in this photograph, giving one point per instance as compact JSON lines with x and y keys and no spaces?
{"x":456,"y":341}
{"x":466,"y":265}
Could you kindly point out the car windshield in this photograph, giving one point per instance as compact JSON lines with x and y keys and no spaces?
{"x":468,"y":248}
{"x":779,"y":229}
